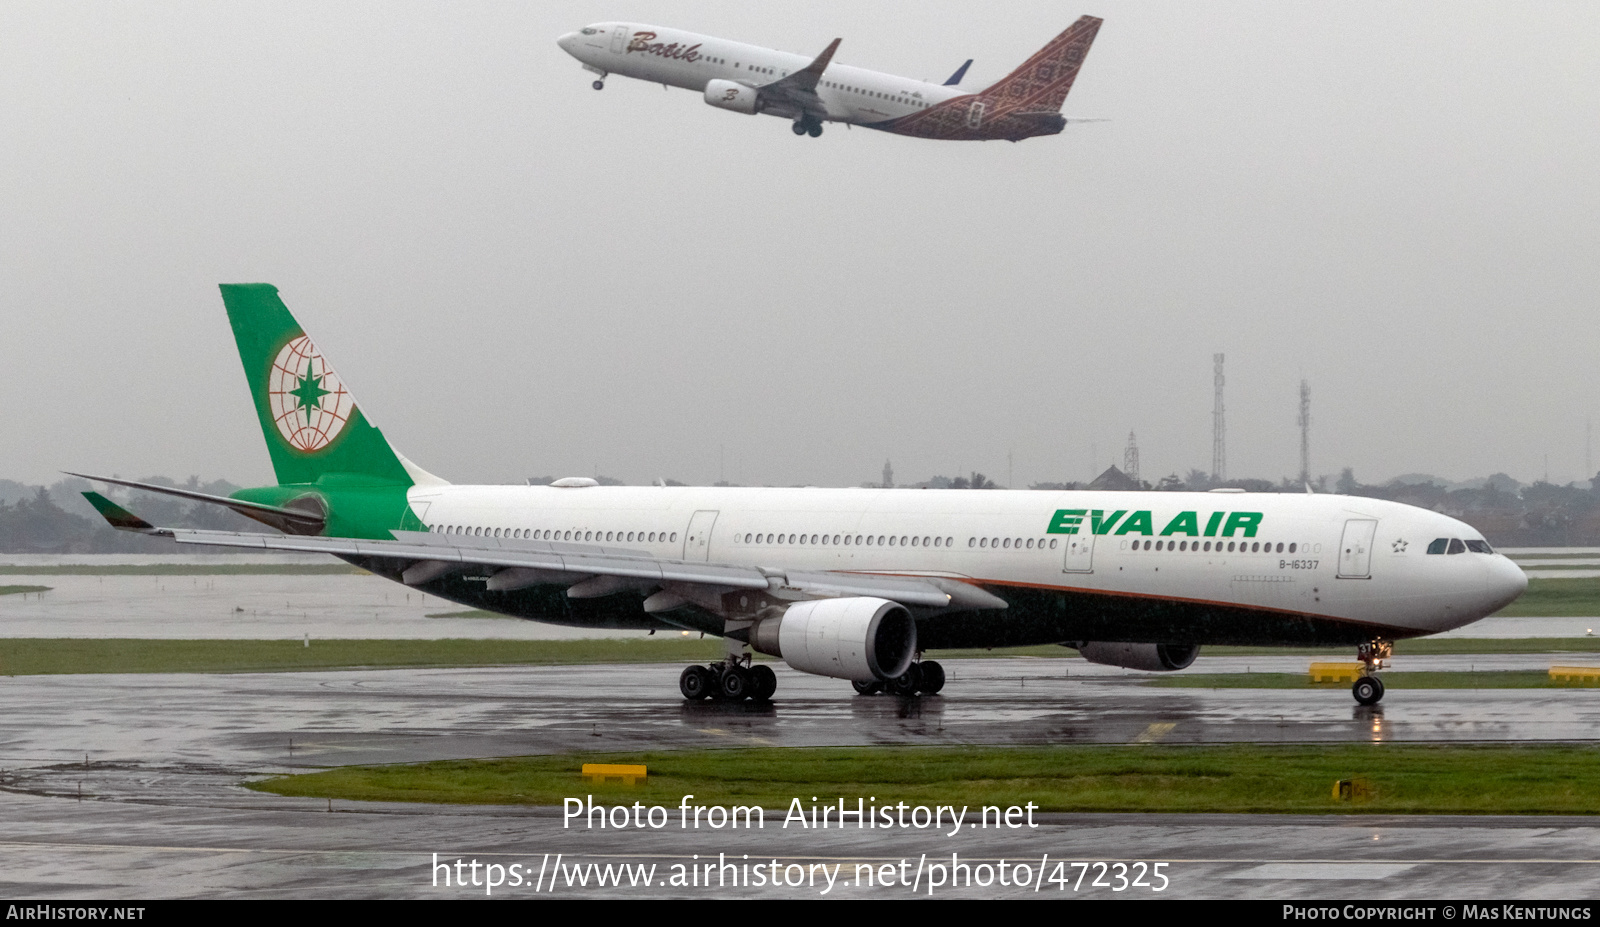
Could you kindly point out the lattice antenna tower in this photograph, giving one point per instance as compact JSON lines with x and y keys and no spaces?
{"x":1130,"y":458}
{"x":1305,"y":433}
{"x":1219,"y":427}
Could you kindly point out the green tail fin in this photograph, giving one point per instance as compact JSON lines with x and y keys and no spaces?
{"x":311,"y":422}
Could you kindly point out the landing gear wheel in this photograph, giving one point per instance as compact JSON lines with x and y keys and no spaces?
{"x":695,"y":683}
{"x":799,"y":128}
{"x":932,"y":677}
{"x":599,"y":85}
{"x":735,"y":684}
{"x":763,"y":683}
{"x":814,"y":130}
{"x":870,"y":687}
{"x":907,"y":683}
{"x":1368,"y":690}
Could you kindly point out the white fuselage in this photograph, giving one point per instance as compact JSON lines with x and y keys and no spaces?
{"x":1341,"y":559}
{"x":687,"y":60}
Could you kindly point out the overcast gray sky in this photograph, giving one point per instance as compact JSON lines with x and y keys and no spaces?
{"x":517,"y":275}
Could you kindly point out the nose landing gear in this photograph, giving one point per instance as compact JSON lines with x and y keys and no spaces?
{"x":599,"y":85}
{"x":1368,"y":688}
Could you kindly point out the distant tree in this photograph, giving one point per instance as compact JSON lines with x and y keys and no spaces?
{"x":1197,"y":480}
{"x":1347,"y":484}
{"x":609,"y":481}
{"x":1171,"y":483}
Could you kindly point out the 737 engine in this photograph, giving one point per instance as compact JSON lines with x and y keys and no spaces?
{"x":1153,"y":657}
{"x":857,"y":638}
{"x":727,"y":94}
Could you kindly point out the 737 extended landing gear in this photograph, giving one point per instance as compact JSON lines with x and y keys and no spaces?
{"x":808,"y":125}
{"x":1368,"y":688}
{"x":599,"y":85}
{"x":925,"y":678}
{"x":731,"y":681}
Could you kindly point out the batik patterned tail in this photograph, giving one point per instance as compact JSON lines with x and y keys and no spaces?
{"x":1026,"y":103}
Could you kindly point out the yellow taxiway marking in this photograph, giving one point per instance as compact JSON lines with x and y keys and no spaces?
{"x":1154,"y":733}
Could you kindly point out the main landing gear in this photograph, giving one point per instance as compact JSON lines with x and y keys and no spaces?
{"x":1368,"y":688}
{"x":925,"y":678}
{"x":808,"y":125}
{"x":733,"y":680}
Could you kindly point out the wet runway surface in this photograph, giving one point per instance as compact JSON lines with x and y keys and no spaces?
{"x":159,"y":760}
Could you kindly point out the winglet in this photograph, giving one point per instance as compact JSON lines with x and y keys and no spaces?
{"x":119,"y":517}
{"x":960,"y":73}
{"x":820,"y":64}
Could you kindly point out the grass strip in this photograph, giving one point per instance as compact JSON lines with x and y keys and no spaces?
{"x":1234,"y":778}
{"x":16,"y":590}
{"x":1496,"y":679}
{"x":1556,"y":597}
{"x":473,"y":613}
{"x":45,"y":656}
{"x":184,"y":569}
{"x":31,"y":656}
{"x":1409,"y":648}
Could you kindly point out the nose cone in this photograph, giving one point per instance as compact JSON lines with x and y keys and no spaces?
{"x":1506,"y":582}
{"x":567,"y":42}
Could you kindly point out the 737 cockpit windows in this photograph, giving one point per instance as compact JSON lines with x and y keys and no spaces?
{"x":1458,"y":546}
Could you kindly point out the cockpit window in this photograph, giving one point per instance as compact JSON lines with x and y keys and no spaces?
{"x":1438,"y":545}
{"x":1456,"y":547}
{"x":1480,"y":547}
{"x":588,"y":30}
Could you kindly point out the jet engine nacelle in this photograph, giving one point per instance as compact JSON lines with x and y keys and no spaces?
{"x":857,"y":638}
{"x":727,"y":94}
{"x":1154,"y":657}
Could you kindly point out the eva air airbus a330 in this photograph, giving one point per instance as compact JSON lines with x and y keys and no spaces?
{"x":850,"y":583}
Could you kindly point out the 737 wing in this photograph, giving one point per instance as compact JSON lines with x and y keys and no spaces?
{"x":799,"y":90}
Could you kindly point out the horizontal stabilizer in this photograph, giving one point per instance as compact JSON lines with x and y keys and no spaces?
{"x":297,"y":521}
{"x":119,"y":517}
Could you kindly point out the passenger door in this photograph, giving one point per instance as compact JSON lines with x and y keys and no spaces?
{"x":1355,"y":550}
{"x":1080,"y":554}
{"x":697,"y":540}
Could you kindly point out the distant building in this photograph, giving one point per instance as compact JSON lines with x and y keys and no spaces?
{"x":1114,"y":479}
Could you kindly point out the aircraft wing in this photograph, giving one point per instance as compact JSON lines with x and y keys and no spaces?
{"x":800,"y":88}
{"x":423,"y":555}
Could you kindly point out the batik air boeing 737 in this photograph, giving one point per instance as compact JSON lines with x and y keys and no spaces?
{"x":854,"y":584}
{"x":811,"y":91}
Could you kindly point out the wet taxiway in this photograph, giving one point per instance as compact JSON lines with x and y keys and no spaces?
{"x":159,"y":759}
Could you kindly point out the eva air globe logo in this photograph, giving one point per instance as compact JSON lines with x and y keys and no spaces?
{"x":309,"y":404}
